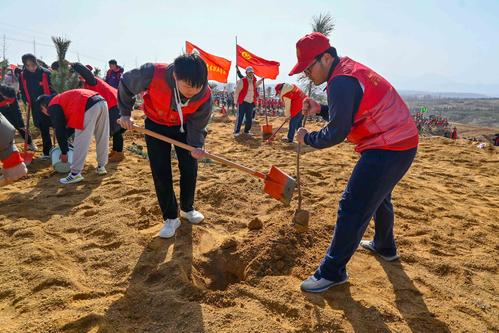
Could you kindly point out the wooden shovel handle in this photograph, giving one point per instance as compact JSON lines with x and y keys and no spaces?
{"x":219,"y":159}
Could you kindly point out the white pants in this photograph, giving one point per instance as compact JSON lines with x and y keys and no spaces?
{"x":95,"y":122}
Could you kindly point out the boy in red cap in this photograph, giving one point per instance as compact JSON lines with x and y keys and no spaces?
{"x":293,"y":98}
{"x":366,"y":110}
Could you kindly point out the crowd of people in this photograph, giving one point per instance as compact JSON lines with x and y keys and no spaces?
{"x":435,"y":125}
{"x":363,"y":108}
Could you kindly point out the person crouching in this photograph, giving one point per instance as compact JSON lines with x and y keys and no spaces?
{"x":85,"y":111}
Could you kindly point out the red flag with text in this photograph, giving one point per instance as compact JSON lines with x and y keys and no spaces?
{"x":263,"y":68}
{"x":218,"y":67}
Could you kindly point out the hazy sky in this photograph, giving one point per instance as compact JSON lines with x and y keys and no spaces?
{"x":420,"y":45}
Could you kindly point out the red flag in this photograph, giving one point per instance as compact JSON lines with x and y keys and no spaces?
{"x":218,"y":67}
{"x":263,"y":68}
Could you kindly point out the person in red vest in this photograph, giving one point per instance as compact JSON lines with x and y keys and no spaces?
{"x":34,"y":82}
{"x":9,"y":107}
{"x":177,"y":104}
{"x":293,"y":98}
{"x":246,"y":95}
{"x":110,"y":94}
{"x":12,"y":161}
{"x":86,"y":112}
{"x":454,"y":133}
{"x":366,"y":110}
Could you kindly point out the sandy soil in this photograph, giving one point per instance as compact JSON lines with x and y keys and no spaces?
{"x":86,"y":257}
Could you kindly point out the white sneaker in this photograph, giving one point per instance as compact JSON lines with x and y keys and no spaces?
{"x":237,"y":134}
{"x":101,"y":171}
{"x":70,"y":178}
{"x":193,"y":216}
{"x":314,"y":285}
{"x":32,"y":147}
{"x":369,"y":245}
{"x":169,"y":228}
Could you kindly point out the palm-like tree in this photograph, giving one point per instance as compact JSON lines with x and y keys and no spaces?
{"x":63,"y":79}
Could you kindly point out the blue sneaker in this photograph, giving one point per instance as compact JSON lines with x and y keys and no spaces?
{"x":369,"y":245}
{"x":314,"y":285}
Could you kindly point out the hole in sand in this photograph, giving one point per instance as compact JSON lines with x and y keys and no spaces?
{"x":220,"y":269}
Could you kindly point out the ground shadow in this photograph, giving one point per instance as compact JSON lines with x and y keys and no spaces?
{"x":362,"y":318}
{"x":160,"y":296}
{"x":409,"y":300}
{"x":50,"y":197}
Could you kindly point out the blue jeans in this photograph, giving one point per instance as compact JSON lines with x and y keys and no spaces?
{"x":367,"y":195}
{"x":245,"y":113}
{"x":294,"y":124}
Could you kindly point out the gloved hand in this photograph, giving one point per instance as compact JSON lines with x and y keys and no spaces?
{"x":14,"y":173}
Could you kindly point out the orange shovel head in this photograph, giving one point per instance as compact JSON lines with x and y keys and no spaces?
{"x":279,"y":185}
{"x":266,"y":131}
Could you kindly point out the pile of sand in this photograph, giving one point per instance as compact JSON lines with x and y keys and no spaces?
{"x":86,"y":257}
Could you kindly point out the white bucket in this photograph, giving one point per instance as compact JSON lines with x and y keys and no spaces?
{"x":61,"y":167}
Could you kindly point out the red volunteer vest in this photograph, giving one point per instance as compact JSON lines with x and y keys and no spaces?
{"x":383,"y":120}
{"x":73,"y":103}
{"x":296,"y":95}
{"x":157,"y":100}
{"x":7,"y":102}
{"x":44,"y":84}
{"x":110,"y":94}
{"x":244,"y":91}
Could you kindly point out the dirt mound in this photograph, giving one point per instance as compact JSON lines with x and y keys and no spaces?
{"x":86,"y":257}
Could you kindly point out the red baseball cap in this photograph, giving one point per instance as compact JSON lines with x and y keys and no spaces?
{"x":307,"y":48}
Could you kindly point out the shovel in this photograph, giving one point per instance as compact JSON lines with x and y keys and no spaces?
{"x":277,"y":131}
{"x":277,"y":184}
{"x":301,"y":218}
{"x":27,"y":155}
{"x":266,"y":129}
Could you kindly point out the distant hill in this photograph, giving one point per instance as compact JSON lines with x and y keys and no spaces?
{"x":474,"y":111}
{"x":430,"y":94}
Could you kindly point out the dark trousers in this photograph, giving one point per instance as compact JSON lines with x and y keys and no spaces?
{"x":294,"y":124}
{"x":367,"y":195}
{"x":159,"y":153}
{"x":118,"y":140}
{"x":43,"y":123}
{"x":245,"y":113}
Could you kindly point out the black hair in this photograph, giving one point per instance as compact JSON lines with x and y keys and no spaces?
{"x":55,"y":65}
{"x":331,"y":51}
{"x":28,"y":57}
{"x":44,"y":100}
{"x":113,"y":62}
{"x":191,"y":68}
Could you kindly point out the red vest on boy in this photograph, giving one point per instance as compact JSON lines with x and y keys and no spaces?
{"x":383,"y":120}
{"x":158,"y":96}
{"x":244,"y":91}
{"x":73,"y":103}
{"x":44,"y":84}
{"x":109,"y":93}
{"x":7,"y":102}
{"x":296,"y":95}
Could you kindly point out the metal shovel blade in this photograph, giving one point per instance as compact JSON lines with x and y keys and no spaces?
{"x":279,"y":185}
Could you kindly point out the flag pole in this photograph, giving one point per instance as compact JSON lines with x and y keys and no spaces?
{"x":235,"y":85}
{"x":236,"y":66}
{"x":264,"y":102}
